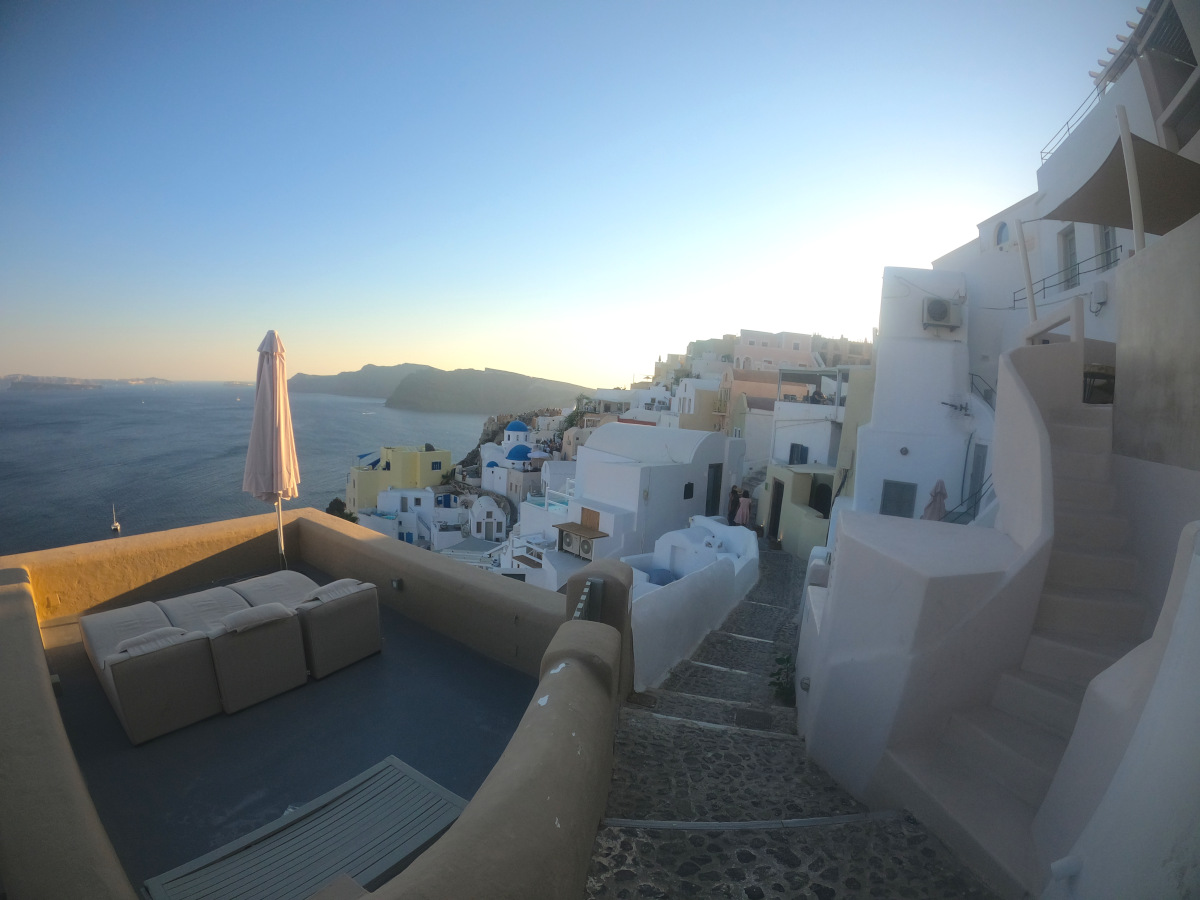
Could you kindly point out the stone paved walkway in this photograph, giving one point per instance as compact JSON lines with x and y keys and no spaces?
{"x":707,"y":764}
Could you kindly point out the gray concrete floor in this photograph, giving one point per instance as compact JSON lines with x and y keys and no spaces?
{"x":433,"y":703}
{"x":706,"y":765}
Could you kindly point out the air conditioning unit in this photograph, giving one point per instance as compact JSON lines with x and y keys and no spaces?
{"x":569,"y":541}
{"x":939,"y":313}
{"x":585,"y":548}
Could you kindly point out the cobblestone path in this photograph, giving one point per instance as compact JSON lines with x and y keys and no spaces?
{"x":709,"y":771}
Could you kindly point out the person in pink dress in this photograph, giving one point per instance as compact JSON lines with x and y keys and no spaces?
{"x":743,"y":513}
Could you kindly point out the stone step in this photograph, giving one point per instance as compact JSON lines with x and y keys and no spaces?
{"x":988,"y":827}
{"x":1020,"y":755}
{"x":760,"y":620}
{"x":1048,"y":702}
{"x":1084,"y":494}
{"x":1090,"y":529}
{"x":886,"y":857}
{"x":1103,"y":612}
{"x":740,"y":652}
{"x":702,"y":680}
{"x":1076,"y":659}
{"x":729,"y":713}
{"x":1080,"y":438}
{"x":1080,"y":464}
{"x":668,"y":770}
{"x":1084,"y":569}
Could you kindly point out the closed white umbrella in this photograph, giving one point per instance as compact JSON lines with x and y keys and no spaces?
{"x":272,"y":472}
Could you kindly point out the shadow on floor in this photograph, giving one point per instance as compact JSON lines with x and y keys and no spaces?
{"x":438,"y":706}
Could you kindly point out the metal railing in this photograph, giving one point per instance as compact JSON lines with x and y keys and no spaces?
{"x":1072,"y":123}
{"x":1069,"y":277}
{"x":968,"y":509}
{"x":985,"y":391}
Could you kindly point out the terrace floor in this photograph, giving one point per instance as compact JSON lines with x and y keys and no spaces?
{"x":709,"y":766}
{"x":438,"y":706}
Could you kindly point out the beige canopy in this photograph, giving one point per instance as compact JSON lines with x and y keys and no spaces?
{"x":1170,"y":188}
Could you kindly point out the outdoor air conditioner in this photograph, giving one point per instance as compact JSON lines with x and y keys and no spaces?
{"x":939,"y":313}
{"x":569,"y":539}
{"x":585,"y":548}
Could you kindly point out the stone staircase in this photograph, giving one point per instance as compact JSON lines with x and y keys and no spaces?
{"x":713,"y":793}
{"x":980,"y":782}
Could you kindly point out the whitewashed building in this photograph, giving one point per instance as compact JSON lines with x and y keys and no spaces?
{"x":1028,"y":688}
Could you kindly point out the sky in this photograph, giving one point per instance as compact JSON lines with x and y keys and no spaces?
{"x":568,"y":190}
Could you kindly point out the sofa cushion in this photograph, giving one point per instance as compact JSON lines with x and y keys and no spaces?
{"x":103,"y":630}
{"x":150,"y":642}
{"x":335,"y":590}
{"x":253,"y":616}
{"x":203,"y":610}
{"x":278,"y":587}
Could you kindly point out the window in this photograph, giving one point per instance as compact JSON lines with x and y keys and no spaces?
{"x":899,"y":499}
{"x":1001,"y":234}
{"x":737,"y":432}
{"x":751,"y":342}
{"x":689,"y":490}
{"x":1108,"y":246}
{"x":796,"y":345}
{"x":416,"y":501}
{"x":1068,"y":257}
{"x":437,"y":465}
{"x":798,"y":455}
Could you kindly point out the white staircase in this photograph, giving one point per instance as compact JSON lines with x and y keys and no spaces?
{"x":979,"y":783}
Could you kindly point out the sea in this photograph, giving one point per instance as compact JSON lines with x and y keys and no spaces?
{"x":171,"y":455}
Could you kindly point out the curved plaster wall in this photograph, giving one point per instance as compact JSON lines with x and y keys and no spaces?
{"x":530,"y":828}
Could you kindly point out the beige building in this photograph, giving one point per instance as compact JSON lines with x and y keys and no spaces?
{"x":765,"y":351}
{"x":737,"y":382}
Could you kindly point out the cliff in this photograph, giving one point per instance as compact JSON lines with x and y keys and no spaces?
{"x":369,"y":381}
{"x":475,"y":391}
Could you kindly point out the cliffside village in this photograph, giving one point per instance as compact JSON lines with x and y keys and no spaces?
{"x":996,"y":500}
{"x":558,"y":488}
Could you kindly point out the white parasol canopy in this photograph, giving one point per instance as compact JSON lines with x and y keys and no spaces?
{"x":272,"y":471}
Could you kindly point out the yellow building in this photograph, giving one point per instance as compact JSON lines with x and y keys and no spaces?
{"x":397,"y":467}
{"x":794,"y":506}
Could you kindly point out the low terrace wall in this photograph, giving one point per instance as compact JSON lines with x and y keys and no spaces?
{"x":529,"y":830}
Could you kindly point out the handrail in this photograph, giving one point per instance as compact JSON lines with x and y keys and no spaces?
{"x":987,"y":393}
{"x":1108,"y":258}
{"x":970,"y":503}
{"x":1076,"y":117}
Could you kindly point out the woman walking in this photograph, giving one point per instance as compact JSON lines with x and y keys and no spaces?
{"x":734,"y":499}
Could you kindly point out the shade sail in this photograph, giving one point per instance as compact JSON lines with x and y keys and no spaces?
{"x":1169,"y":184}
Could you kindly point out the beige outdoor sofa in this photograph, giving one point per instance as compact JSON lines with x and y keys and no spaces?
{"x":173,"y":662}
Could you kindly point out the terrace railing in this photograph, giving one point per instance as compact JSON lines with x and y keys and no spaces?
{"x":1069,"y":277}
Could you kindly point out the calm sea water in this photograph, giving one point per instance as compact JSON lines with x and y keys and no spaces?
{"x":173,"y":455}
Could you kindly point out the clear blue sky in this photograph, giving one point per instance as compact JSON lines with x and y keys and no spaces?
{"x":563,"y":189}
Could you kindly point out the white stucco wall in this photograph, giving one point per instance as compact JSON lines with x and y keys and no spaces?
{"x":1141,"y":805}
{"x":670,"y":622}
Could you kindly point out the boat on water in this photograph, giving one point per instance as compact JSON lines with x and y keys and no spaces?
{"x":116,"y":526}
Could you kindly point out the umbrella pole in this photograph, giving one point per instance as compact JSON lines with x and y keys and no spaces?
{"x":279,"y":519}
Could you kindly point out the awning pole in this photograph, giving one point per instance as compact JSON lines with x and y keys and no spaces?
{"x":1135,"y":190}
{"x":1028,"y":277}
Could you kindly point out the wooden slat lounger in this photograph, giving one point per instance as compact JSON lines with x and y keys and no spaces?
{"x":368,"y":828}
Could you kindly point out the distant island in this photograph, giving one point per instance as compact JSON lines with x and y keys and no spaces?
{"x":57,"y":383}
{"x":428,"y":389}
